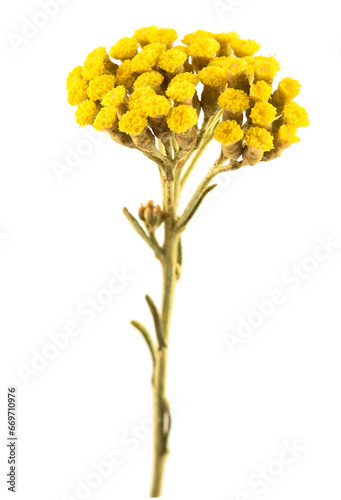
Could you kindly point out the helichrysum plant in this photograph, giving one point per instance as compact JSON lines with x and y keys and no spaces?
{"x":168,"y":99}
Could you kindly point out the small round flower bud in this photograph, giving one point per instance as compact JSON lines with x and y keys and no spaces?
{"x":152,"y":215}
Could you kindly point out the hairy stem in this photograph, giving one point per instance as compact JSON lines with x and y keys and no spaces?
{"x":161,"y":407}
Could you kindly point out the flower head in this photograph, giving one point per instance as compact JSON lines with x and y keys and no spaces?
{"x":295,"y":115}
{"x":288,"y":89}
{"x":180,"y":91}
{"x":213,"y":76}
{"x":234,"y":100}
{"x":106,"y":118}
{"x":260,"y":91}
{"x":163,"y":35}
{"x":95,"y":64}
{"x":234,"y":66}
{"x":73,"y":76}
{"x":263,"y":113}
{"x":77,"y":92}
{"x":186,"y":77}
{"x":126,"y":48}
{"x":124,"y":74}
{"x":228,"y":132}
{"x":182,"y":118}
{"x":243,"y":48}
{"x":115,"y":97}
{"x":150,"y":78}
{"x":204,"y":47}
{"x":86,"y":112}
{"x":133,"y":122}
{"x":139,"y":97}
{"x":171,"y":60}
{"x":157,"y":105}
{"x":287,"y":135}
{"x":191,"y":37}
{"x":142,"y":35}
{"x":100,"y":85}
{"x":259,"y":138}
{"x":264,"y":68}
{"x":148,"y":57}
{"x":224,"y":40}
{"x":152,"y":91}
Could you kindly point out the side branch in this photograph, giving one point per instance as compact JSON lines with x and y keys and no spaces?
{"x":138,"y":228}
{"x":203,"y":189}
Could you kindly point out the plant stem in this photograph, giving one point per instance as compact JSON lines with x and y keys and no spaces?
{"x":161,"y":408}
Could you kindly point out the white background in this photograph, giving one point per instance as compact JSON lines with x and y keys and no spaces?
{"x":60,"y":242}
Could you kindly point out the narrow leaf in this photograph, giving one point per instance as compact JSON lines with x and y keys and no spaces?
{"x":138,"y":228}
{"x":157,"y":321}
{"x":196,"y":207}
{"x":146,"y":337}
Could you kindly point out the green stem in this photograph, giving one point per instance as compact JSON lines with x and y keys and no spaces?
{"x":161,"y":408}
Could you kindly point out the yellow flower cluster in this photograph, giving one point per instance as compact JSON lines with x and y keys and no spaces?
{"x":152,"y":80}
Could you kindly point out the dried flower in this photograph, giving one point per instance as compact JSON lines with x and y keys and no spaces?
{"x":295,"y":115}
{"x":172,"y":60}
{"x":133,"y":122}
{"x":151,"y":79}
{"x":186,"y":77}
{"x":243,"y":48}
{"x":124,"y":74}
{"x":230,"y":134}
{"x":182,"y":118}
{"x":149,"y":101}
{"x":86,"y":112}
{"x":77,"y":91}
{"x":106,"y":119}
{"x":263,"y":114}
{"x":260,"y":92}
{"x":97,"y":63}
{"x":100,"y":85}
